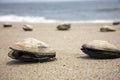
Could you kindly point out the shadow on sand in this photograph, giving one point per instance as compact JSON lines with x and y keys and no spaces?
{"x":18,"y":62}
{"x":91,"y":58}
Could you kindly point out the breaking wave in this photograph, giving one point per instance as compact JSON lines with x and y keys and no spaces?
{"x":15,"y":18}
{"x":31,"y":19}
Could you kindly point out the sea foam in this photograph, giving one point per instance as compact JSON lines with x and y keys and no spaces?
{"x":31,"y":19}
{"x":37,"y":19}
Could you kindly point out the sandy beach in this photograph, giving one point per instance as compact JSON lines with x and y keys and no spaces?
{"x":70,"y":64}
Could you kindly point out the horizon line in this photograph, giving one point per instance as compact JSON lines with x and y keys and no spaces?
{"x":51,"y":1}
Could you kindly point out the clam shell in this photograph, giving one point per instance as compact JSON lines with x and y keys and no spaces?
{"x":107,"y":29}
{"x":7,"y":25}
{"x":116,"y":23}
{"x":64,"y":27}
{"x":27,"y":27}
{"x":101,"y":49}
{"x":31,"y":49}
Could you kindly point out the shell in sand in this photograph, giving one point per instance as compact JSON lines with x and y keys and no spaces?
{"x":27,"y":27}
{"x":116,"y":23}
{"x":7,"y":25}
{"x":101,"y":49}
{"x":107,"y":29}
{"x":64,"y":27}
{"x":31,"y":49}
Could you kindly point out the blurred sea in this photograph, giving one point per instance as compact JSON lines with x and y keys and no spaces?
{"x":73,"y":11}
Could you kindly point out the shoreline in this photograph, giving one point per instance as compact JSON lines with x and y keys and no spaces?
{"x":64,"y":22}
{"x":89,"y":21}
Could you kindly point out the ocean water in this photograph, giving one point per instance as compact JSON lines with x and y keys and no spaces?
{"x":96,"y":11}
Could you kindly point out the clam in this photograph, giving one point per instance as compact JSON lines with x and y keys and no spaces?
{"x":116,"y":23}
{"x":107,"y":29}
{"x":27,"y":27}
{"x":64,"y":27}
{"x":31,"y":49}
{"x":100,"y":49}
{"x":7,"y":25}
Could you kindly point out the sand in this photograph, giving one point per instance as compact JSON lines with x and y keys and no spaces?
{"x":70,"y":64}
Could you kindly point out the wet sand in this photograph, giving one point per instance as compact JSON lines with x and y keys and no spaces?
{"x":70,"y":64}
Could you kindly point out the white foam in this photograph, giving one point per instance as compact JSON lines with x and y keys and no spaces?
{"x":15,"y":18}
{"x":37,"y":19}
{"x":91,"y":21}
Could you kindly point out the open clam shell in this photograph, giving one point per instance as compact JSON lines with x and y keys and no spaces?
{"x":101,"y":49}
{"x":31,"y":50}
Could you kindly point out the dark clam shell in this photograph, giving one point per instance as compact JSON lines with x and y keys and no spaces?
{"x":107,"y":29}
{"x":27,"y":27}
{"x":7,"y":25}
{"x":27,"y":56}
{"x":116,"y":23}
{"x":102,"y":52}
{"x":64,"y":27}
{"x":31,"y":50}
